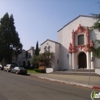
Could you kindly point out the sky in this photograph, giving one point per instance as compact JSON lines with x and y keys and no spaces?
{"x":38,"y":20}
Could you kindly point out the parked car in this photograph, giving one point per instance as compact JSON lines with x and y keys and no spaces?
{"x":8,"y":67}
{"x":1,"y":66}
{"x":19,"y":70}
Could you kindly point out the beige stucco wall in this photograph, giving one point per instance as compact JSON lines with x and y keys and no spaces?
{"x":57,"y":56}
{"x":54,"y":47}
{"x":48,"y":43}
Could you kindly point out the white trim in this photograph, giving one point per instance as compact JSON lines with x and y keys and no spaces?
{"x":92,"y":62}
{"x":88,"y":60}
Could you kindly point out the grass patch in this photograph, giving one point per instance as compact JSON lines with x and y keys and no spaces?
{"x":40,"y":70}
{"x":34,"y":71}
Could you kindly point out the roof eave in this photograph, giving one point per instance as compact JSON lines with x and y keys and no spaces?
{"x":75,"y":19}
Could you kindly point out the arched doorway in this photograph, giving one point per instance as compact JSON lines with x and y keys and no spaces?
{"x":82,"y":60}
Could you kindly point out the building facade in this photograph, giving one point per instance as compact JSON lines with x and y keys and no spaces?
{"x":75,"y":39}
{"x":22,"y":60}
{"x":72,"y":49}
{"x":52,"y":46}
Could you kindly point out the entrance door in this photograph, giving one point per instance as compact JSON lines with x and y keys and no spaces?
{"x":82,"y":60}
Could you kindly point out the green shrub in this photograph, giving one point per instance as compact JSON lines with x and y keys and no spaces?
{"x":40,"y":70}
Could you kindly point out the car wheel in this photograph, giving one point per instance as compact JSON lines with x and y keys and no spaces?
{"x":16,"y":72}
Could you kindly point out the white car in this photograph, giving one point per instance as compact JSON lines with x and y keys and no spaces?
{"x":0,"y":66}
{"x":8,"y":67}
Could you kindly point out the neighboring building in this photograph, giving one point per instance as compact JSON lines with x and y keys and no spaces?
{"x":54,"y":47}
{"x":22,"y":60}
{"x":71,"y":50}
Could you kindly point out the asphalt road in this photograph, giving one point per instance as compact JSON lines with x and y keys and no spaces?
{"x":20,"y":87}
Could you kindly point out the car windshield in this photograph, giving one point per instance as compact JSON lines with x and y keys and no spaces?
{"x":13,"y":66}
{"x":21,"y":68}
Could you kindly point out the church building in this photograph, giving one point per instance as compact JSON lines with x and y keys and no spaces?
{"x":74,"y":40}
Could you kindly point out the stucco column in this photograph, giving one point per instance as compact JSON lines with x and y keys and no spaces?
{"x":88,"y":60}
{"x":92,"y":62}
{"x":70,"y":61}
{"x":73,"y":60}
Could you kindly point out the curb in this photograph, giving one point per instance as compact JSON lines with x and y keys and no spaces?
{"x":96,"y":87}
{"x":70,"y":83}
{"x":65,"y":82}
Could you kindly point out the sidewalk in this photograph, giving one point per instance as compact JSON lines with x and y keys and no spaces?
{"x":78,"y":80}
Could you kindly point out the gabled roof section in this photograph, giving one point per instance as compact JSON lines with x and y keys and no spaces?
{"x":50,"y":41}
{"x":75,"y":19}
{"x":31,"y":48}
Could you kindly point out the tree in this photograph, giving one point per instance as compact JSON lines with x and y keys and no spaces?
{"x":96,"y":52}
{"x":96,"y":25}
{"x":37,"y":49}
{"x":46,"y":59}
{"x":35,"y":61}
{"x":10,"y":44}
{"x":26,"y":55}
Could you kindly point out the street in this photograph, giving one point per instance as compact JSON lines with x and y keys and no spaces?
{"x":21,"y":87}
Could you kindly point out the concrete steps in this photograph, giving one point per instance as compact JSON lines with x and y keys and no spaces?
{"x":84,"y":72}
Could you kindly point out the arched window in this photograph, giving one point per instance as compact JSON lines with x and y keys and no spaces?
{"x":81,"y":39}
